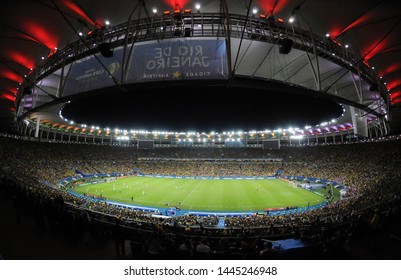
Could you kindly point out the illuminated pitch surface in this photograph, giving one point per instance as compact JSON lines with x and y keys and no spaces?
{"x":203,"y":194}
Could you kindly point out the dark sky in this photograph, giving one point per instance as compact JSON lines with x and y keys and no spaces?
{"x":201,"y":109}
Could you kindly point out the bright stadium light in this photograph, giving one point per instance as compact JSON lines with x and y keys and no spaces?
{"x":291,"y":20}
{"x":197,"y":6}
{"x":154,"y":10}
{"x":254,"y":11}
{"x":107,"y":22}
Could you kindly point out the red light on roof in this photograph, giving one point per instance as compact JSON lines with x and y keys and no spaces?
{"x":8,"y":97}
{"x":396,"y":101}
{"x":262,"y":16}
{"x":53,"y":51}
{"x":21,"y":59}
{"x":79,"y":11}
{"x":9,"y":75}
{"x":187,"y":11}
{"x":177,"y":11}
{"x":90,"y":32}
{"x":166,"y":13}
{"x":396,"y":95}
{"x":41,"y":34}
{"x":280,"y":20}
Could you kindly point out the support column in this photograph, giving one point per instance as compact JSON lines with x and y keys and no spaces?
{"x":37,"y":127}
{"x":26,"y":129}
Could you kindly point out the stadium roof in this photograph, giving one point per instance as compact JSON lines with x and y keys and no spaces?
{"x":31,"y":30}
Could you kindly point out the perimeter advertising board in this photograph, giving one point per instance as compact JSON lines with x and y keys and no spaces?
{"x":178,"y":59}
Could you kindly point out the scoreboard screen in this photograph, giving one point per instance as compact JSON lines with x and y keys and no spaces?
{"x":145,"y":144}
{"x":271,"y":144}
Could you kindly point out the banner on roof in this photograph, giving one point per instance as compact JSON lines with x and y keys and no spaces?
{"x":178,"y":59}
{"x":359,"y":122}
{"x":93,"y":72}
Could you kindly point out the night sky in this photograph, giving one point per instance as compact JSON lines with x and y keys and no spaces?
{"x":201,"y":110}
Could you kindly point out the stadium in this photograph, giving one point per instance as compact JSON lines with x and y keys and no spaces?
{"x":200,"y":130}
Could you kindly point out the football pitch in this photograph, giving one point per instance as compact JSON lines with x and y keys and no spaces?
{"x":228,"y":195}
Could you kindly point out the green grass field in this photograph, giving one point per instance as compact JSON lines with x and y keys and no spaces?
{"x":203,"y":194}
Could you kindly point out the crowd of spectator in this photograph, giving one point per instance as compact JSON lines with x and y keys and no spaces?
{"x":30,"y":172}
